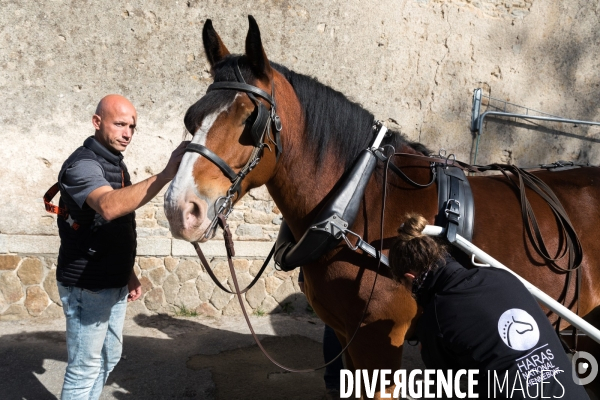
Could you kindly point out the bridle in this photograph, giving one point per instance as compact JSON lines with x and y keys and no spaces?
{"x":260,"y":128}
{"x":224,"y":204}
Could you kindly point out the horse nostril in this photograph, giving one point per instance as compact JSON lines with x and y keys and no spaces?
{"x":195,"y":210}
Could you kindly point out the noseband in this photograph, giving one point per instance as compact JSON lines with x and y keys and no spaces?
{"x":260,"y":127}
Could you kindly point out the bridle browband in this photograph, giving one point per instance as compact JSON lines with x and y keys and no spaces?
{"x":260,"y":127}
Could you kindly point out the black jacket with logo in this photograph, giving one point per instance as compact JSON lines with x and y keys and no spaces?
{"x":485,"y":319}
{"x":99,"y":254}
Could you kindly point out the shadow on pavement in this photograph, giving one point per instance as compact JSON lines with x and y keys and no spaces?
{"x":178,"y":358}
{"x":23,"y":357}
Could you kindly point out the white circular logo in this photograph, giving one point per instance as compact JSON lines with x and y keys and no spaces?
{"x":518,"y":329}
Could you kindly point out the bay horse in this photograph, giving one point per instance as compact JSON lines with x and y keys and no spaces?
{"x":322,"y":132}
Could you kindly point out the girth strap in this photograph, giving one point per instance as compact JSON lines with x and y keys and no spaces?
{"x":452,"y":210}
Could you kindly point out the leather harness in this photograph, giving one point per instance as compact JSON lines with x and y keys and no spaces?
{"x":455,"y":203}
{"x":456,"y":209}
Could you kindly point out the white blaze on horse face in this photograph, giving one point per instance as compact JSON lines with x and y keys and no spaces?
{"x":185,"y":206}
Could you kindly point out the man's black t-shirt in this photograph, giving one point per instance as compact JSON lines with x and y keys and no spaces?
{"x":484,"y":318}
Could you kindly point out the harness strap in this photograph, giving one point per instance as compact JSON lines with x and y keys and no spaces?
{"x":54,"y":209}
{"x":453,"y":209}
{"x":218,"y":161}
{"x":445,"y":161}
{"x":399,"y":172}
{"x":216,"y":280}
{"x":574,"y":331}
{"x":242,"y":87}
{"x":372,"y":251}
{"x":276,"y":135}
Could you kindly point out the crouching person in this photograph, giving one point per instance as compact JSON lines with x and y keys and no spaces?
{"x":480,"y":318}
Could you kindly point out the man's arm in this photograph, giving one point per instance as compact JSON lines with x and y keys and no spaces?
{"x":114,"y":203}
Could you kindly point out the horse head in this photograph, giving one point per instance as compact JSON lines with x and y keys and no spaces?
{"x":234,"y":126}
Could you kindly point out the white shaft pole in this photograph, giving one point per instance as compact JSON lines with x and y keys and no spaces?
{"x":379,"y":137}
{"x":540,"y":296}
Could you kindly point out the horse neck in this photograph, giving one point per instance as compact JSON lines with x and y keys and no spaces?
{"x":299,"y":185}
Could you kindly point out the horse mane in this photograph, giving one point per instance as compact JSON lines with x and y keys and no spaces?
{"x":335,"y":122}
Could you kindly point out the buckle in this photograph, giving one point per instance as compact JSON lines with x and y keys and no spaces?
{"x":450,"y":210}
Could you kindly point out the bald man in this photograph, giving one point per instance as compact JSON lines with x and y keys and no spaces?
{"x":98,"y":245}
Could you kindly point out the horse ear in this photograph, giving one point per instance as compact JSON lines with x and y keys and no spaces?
{"x":213,"y":45}
{"x":255,"y":52}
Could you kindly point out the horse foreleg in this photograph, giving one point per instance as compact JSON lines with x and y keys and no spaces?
{"x":348,"y":364}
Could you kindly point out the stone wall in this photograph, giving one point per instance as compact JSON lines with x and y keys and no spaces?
{"x":413,"y":63}
{"x":172,"y":278}
{"x":170,"y":285}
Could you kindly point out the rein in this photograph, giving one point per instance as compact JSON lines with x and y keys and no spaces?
{"x":229,"y":246}
{"x":224,"y":204}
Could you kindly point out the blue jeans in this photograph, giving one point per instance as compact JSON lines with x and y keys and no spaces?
{"x":94,"y":338}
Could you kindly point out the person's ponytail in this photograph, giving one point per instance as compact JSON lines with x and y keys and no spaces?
{"x":412,"y":251}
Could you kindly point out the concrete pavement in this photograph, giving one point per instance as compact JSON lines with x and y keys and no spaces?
{"x":169,"y":357}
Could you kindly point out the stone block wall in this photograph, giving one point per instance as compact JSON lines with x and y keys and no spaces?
{"x":169,"y":285}
{"x":28,"y":287}
{"x":172,"y":283}
{"x":171,"y":275}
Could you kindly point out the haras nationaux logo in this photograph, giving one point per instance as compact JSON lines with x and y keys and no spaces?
{"x":518,"y":329}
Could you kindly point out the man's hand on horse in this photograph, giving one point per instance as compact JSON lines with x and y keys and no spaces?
{"x":173,"y":165}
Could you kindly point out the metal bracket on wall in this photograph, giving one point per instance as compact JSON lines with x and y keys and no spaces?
{"x":477,"y":119}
